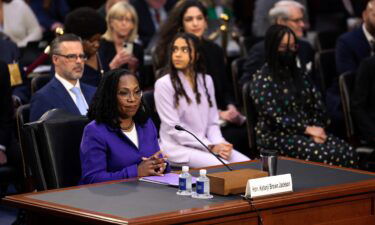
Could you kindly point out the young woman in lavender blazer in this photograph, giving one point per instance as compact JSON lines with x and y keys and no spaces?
{"x":186,"y":97}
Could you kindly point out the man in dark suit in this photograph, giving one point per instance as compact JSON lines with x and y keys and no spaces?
{"x":353,"y":46}
{"x":64,"y":91}
{"x":151,"y":14}
{"x":286,"y":13}
{"x":6,"y":111}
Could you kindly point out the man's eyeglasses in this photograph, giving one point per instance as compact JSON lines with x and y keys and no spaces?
{"x":127,"y":94}
{"x":297,"y":20}
{"x":73,"y":57}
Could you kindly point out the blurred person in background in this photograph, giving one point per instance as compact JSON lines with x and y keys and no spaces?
{"x":119,"y":47}
{"x":152,"y":14}
{"x":18,"y":22}
{"x":87,"y":23}
{"x":50,"y":13}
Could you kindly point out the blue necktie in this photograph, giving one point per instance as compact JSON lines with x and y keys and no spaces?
{"x":80,"y":101}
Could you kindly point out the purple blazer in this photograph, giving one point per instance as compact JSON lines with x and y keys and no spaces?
{"x":108,"y":154}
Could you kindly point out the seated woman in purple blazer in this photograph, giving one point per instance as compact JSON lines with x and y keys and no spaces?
{"x":121,"y":141}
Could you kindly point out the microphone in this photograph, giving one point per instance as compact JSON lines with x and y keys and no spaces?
{"x":180,"y":128}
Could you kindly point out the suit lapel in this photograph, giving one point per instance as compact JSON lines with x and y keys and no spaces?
{"x":86,"y":93}
{"x":64,"y":97}
{"x":140,"y":136}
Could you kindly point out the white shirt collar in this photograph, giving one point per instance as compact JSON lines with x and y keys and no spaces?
{"x":68,"y":86}
{"x":368,"y":36}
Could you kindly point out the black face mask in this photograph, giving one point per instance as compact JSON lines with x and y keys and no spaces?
{"x":287,"y":58}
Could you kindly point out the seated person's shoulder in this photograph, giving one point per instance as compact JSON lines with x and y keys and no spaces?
{"x":164,"y":82}
{"x":88,"y":87}
{"x":96,"y":129}
{"x":350,"y":35}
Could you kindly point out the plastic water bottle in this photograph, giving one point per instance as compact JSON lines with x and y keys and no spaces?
{"x":184,"y":182}
{"x":203,"y":186}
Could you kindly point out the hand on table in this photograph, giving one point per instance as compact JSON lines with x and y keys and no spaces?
{"x":153,"y":165}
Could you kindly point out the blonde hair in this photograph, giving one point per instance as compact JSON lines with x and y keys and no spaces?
{"x":117,"y":10}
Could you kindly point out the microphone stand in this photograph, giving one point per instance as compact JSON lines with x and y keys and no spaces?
{"x":178,"y":127}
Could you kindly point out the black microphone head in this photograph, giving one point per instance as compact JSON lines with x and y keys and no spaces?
{"x":178,"y":127}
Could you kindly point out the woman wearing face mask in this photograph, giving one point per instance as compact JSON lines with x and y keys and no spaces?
{"x":291,"y":114}
{"x":191,"y":16}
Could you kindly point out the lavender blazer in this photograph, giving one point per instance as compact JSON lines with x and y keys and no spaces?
{"x":108,"y":154}
{"x":201,"y":119}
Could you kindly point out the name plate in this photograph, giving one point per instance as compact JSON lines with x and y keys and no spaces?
{"x":269,"y":185}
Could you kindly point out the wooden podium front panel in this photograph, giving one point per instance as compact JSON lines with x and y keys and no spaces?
{"x":324,"y":211}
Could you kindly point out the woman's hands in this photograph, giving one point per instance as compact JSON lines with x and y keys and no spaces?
{"x":224,"y":150}
{"x":152,"y":166}
{"x":318,"y":134}
{"x":232,"y":115}
{"x":122,"y":58}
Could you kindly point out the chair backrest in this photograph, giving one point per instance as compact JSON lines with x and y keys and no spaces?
{"x":39,"y":81}
{"x":22,"y":117}
{"x":326,"y":68}
{"x":236,"y":68}
{"x":149,"y":102}
{"x":326,"y":40}
{"x":346,"y":84}
{"x":58,"y":137}
{"x":251,"y":119}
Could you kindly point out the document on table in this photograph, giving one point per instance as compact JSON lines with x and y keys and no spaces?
{"x":167,"y":179}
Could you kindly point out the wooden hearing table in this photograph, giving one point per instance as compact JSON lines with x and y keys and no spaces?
{"x":322,"y":195}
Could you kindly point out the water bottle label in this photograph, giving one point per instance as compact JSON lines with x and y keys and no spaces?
{"x":182,"y":184}
{"x":200,"y":187}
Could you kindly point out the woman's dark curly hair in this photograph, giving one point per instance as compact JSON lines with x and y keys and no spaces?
{"x":104,"y":107}
{"x":173,"y":25}
{"x":194,"y":46}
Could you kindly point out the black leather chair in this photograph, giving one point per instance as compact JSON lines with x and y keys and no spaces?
{"x":346,"y":81}
{"x":365,"y":151}
{"x":149,"y":102}
{"x":22,"y":117}
{"x":56,"y":139}
{"x":236,"y":69}
{"x":326,"y":40}
{"x":251,"y":119}
{"x":346,"y":84}
{"x":39,"y":81}
{"x":326,"y":68}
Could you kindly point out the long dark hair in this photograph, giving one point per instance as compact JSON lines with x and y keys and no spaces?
{"x":104,"y":107}
{"x":278,"y":72}
{"x":171,"y":26}
{"x":193,"y":43}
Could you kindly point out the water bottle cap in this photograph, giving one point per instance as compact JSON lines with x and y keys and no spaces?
{"x":202,"y":172}
{"x":185,"y":168}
